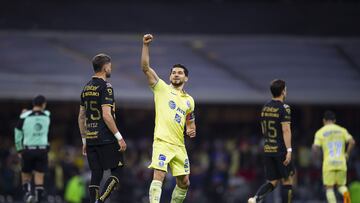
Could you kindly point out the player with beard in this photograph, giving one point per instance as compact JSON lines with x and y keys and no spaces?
{"x":275,"y":124}
{"x":102,"y":142}
{"x":174,"y":110}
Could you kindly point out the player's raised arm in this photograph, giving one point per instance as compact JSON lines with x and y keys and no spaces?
{"x":145,"y":61}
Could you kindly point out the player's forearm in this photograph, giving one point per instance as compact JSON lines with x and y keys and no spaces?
{"x":18,"y":139}
{"x":82,"y":125}
{"x":110,"y":123}
{"x":145,"y":58}
{"x":350,"y":147}
{"x":191,"y":125}
{"x":287,"y":138}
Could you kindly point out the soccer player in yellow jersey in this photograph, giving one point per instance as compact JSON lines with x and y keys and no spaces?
{"x":332,"y":139}
{"x":174,"y":110}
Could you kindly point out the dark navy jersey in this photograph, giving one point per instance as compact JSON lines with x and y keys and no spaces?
{"x":272,"y":115}
{"x":95,"y":94}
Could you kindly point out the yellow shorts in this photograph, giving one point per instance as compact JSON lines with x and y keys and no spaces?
{"x":165,"y":154}
{"x":334,"y":177}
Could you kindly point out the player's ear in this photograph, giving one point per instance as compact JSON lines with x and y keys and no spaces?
{"x":186,"y":78}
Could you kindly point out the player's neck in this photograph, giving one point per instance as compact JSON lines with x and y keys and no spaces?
{"x":329,"y":123}
{"x":37,"y":108}
{"x":179,"y":88}
{"x":100,"y":75}
{"x":278,"y":99}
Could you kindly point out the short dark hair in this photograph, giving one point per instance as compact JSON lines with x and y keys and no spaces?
{"x":276,"y":87}
{"x":186,"y":71}
{"x":99,"y":61}
{"x":39,"y":100}
{"x":329,"y":116}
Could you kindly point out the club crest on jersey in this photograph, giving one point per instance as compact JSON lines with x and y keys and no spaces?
{"x":37,"y":127}
{"x":172,"y":104}
{"x":162,"y":159}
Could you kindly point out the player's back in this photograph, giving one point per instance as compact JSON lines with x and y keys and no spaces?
{"x":273,"y":114}
{"x":96,"y":93}
{"x":332,"y":139}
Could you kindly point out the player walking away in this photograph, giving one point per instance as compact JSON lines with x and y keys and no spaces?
{"x":174,"y":109}
{"x":102,"y":142}
{"x":31,"y":142}
{"x":332,"y":139}
{"x":275,"y":123}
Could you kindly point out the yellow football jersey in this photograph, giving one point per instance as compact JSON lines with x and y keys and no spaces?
{"x":332,"y":139}
{"x":172,"y":108}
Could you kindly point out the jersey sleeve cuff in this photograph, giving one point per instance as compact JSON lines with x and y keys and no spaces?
{"x":153,"y":86}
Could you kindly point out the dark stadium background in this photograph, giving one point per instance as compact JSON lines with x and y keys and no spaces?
{"x":233,"y":50}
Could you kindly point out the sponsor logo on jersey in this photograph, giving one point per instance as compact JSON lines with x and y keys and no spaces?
{"x":177,"y":118}
{"x":110,"y":91}
{"x":172,"y":104}
{"x":181,"y":111}
{"x":37,"y":127}
{"x":162,"y":159}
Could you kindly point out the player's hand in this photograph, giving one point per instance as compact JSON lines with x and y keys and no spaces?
{"x":122,"y":145}
{"x":288,"y":159}
{"x":347,"y":156}
{"x":147,"y":39}
{"x":84,"y":149}
{"x":19,"y":155}
{"x":191,"y":133}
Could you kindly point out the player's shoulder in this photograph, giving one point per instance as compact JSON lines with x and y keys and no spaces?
{"x":108,"y":85}
{"x":340,"y":128}
{"x":286,"y":106}
{"x":276,"y":104}
{"x":160,"y":85}
{"x":190,"y":100}
{"x":188,"y":96}
{"x":47,"y":113}
{"x":25,"y":114}
{"x":319,"y":132}
{"x":161,"y":82}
